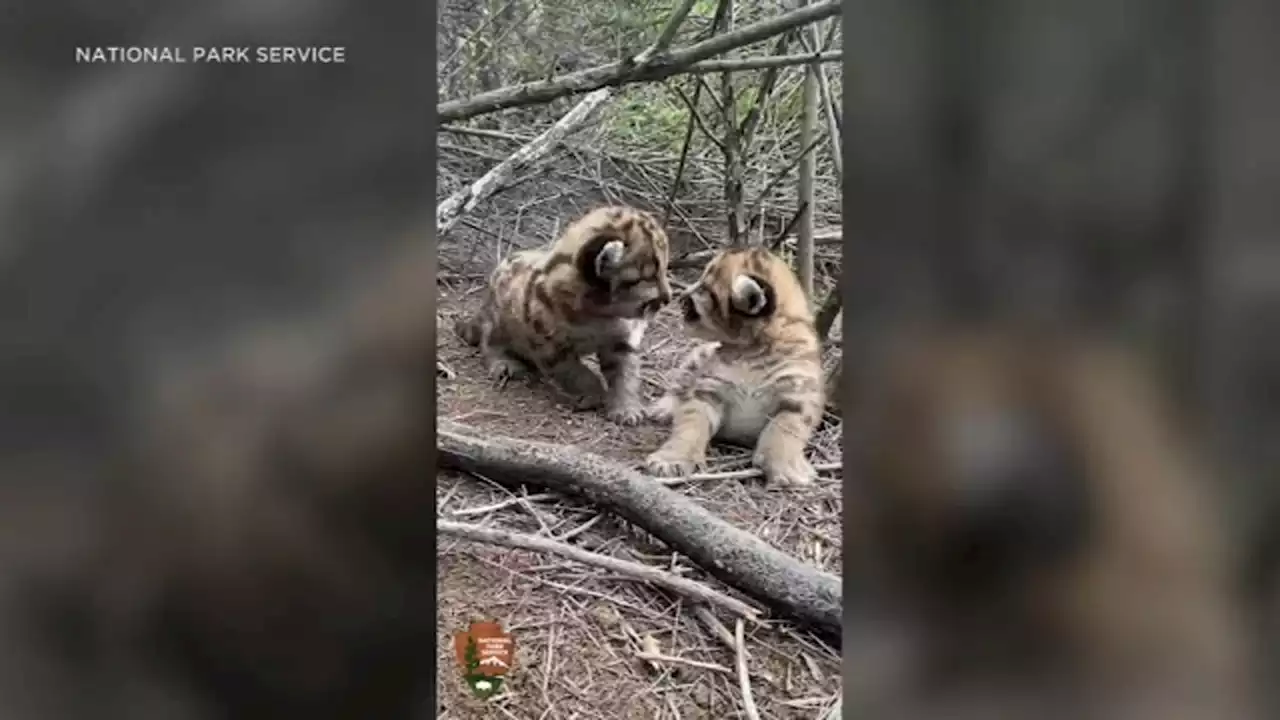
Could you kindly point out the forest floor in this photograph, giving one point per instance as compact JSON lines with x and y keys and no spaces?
{"x":577,"y":628}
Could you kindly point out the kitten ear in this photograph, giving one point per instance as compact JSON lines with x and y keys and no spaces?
{"x":599,"y":259}
{"x":609,"y":258}
{"x":750,"y":296}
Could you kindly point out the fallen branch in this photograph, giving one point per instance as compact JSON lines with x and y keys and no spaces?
{"x":682,"y":586}
{"x":765,"y":62}
{"x":448,"y":212}
{"x":626,"y":71}
{"x":713,"y":624}
{"x":735,"y":556}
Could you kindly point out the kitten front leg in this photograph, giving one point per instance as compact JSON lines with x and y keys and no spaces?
{"x":663,"y":409}
{"x":780,"y":448}
{"x":684,"y":376}
{"x":576,"y":380}
{"x":502,"y":365}
{"x":620,"y":366}
{"x":695,"y":421}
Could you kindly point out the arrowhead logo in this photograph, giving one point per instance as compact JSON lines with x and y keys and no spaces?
{"x":485,"y":654}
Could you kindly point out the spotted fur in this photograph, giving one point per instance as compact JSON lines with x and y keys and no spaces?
{"x":757,"y":382}
{"x":590,"y":292}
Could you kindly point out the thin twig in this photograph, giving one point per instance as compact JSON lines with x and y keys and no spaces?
{"x":484,"y":25}
{"x":767,"y":83}
{"x":744,"y":678}
{"x":764,"y":62}
{"x":622,"y":72}
{"x":679,"y":585}
{"x":660,"y":658}
{"x":712,"y":623}
{"x":711,"y":93}
{"x":486,"y":509}
{"x":829,"y":236}
{"x":697,"y":117}
{"x":668,"y":33}
{"x":782,"y":175}
{"x":776,"y":242}
{"x":738,"y":474}
{"x":684,"y":156}
{"x":827,"y":314}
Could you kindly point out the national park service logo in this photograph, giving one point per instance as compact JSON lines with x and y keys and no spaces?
{"x":485,"y":654}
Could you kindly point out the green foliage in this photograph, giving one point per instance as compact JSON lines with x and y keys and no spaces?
{"x":704,"y":9}
{"x":648,"y":116}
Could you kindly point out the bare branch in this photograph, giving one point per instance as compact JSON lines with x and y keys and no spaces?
{"x":682,"y":586}
{"x":827,"y":314}
{"x":622,"y":72}
{"x":762,"y":63}
{"x":804,"y":188}
{"x":467,"y":198}
{"x":684,"y":156}
{"x":791,"y":225}
{"x":828,"y":103}
{"x":782,"y":174}
{"x":696,"y":116}
{"x":826,"y":236}
{"x":752,"y":121}
{"x":732,"y":146}
{"x":711,"y":93}
{"x":668,"y":32}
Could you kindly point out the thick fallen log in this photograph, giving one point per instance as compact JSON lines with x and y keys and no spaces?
{"x":732,"y":555}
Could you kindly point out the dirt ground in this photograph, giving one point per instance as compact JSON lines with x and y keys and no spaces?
{"x":577,"y":628}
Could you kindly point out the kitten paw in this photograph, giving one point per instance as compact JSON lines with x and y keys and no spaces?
{"x":625,"y":413}
{"x":667,"y":464}
{"x":788,"y":472}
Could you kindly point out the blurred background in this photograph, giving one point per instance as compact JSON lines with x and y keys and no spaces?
{"x":1060,"y":348}
{"x":1062,"y":296}
{"x":197,"y":520}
